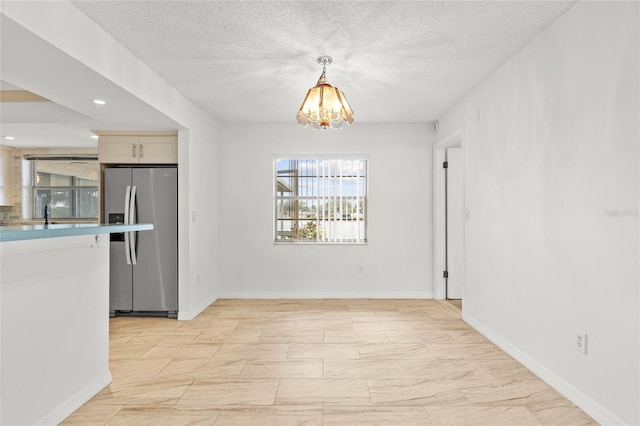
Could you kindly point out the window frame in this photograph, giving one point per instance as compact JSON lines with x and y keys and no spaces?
{"x":74,"y":188}
{"x":364,"y":240}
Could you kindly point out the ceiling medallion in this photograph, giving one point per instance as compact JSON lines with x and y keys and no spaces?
{"x":324,"y":106}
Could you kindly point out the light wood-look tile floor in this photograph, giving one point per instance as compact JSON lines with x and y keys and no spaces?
{"x":318,"y":362}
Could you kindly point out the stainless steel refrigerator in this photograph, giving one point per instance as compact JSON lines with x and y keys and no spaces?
{"x":144,"y":265}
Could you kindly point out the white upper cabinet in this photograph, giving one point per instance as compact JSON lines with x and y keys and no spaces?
{"x":138,"y":149}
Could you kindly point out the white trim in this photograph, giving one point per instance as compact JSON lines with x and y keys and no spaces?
{"x":573,"y":394}
{"x":185,"y":239}
{"x":439,"y":213}
{"x":439,"y":244}
{"x":65,"y":409}
{"x":188,"y":316}
{"x":320,"y":156}
{"x":321,"y":295}
{"x":325,"y":197}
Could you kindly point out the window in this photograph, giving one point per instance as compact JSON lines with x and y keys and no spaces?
{"x":68,"y":186}
{"x":321,"y":200}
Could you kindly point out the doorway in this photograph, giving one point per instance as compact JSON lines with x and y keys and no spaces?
{"x":449,"y":215}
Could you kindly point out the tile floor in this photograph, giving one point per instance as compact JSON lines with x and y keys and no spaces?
{"x":318,"y":362}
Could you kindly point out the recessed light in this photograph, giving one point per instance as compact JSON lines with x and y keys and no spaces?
{"x":9,"y":138}
{"x":99,"y":102}
{"x":94,"y":136}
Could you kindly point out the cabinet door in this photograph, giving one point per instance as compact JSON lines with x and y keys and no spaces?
{"x":118,"y":149}
{"x":158,"y":150}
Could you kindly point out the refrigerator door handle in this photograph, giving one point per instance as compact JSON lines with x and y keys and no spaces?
{"x":127,"y":202}
{"x":132,"y":219}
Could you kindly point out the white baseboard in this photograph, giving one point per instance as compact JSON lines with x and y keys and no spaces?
{"x":65,"y":409}
{"x":188,"y":316}
{"x":324,"y":295}
{"x":588,"y":405}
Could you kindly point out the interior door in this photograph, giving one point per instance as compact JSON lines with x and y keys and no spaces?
{"x":455,"y":218}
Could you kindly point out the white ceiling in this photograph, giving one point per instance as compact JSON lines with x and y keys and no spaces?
{"x":43,"y":124}
{"x":396,"y":61}
{"x":38,"y":112}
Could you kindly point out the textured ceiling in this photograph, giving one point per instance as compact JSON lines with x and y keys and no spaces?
{"x":253,"y":62}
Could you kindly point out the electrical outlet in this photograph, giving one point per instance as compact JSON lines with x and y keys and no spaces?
{"x":581,"y":341}
{"x":359,"y":270}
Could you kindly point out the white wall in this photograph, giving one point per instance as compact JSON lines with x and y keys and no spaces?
{"x":55,"y":326}
{"x":397,"y":262}
{"x":552,"y":184}
{"x":201,"y":217}
{"x":81,"y":54}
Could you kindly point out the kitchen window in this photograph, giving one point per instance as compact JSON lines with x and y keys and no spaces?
{"x":67,"y":186}
{"x":321,"y":200}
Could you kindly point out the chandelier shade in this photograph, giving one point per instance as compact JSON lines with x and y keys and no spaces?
{"x":324,"y":106}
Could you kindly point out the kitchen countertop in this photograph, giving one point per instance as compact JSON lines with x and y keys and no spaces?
{"x":35,"y":232}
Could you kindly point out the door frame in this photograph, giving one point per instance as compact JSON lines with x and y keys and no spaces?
{"x":454,"y":139}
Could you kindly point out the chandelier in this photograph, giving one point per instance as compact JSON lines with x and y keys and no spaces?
{"x":324,"y":106}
